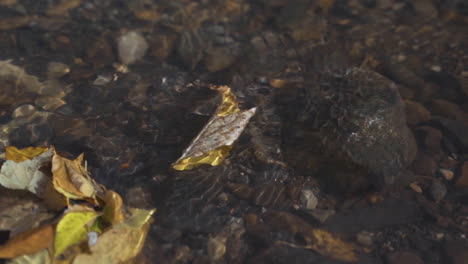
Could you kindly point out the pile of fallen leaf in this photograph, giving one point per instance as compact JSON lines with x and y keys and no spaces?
{"x":91,"y":224}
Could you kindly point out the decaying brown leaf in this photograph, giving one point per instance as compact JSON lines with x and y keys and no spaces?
{"x":316,"y":239}
{"x":112,"y":212}
{"x":71,"y":179}
{"x":28,"y":242}
{"x":214,"y":141}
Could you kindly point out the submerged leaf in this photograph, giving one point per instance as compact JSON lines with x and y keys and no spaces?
{"x":316,"y":239}
{"x":212,"y":144}
{"x":71,"y":179}
{"x":19,"y":155}
{"x":72,"y":229}
{"x":41,"y":257}
{"x":113,"y":245}
{"x":112,"y":212}
{"x":28,"y":242}
{"x":26,"y":175}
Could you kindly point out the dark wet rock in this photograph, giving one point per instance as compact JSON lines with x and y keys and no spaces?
{"x":430,"y":138}
{"x":446,"y":109}
{"x":321,"y":215}
{"x":279,"y":254}
{"x":422,"y":89}
{"x":403,"y":257}
{"x":220,"y":58}
{"x":425,"y":8}
{"x":456,"y":252}
{"x":139,"y":197}
{"x":405,"y":92}
{"x":455,"y":130}
{"x":416,"y":113}
{"x":448,"y":162}
{"x":364,"y":122}
{"x":36,"y":132}
{"x":424,"y":164}
{"x":385,"y":214}
{"x":438,"y":190}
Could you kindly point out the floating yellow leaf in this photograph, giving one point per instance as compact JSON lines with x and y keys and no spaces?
{"x":28,"y":242}
{"x":26,"y":175}
{"x":229,"y":101}
{"x":112,"y":212}
{"x":213,"y":143}
{"x":214,"y":158}
{"x":41,"y":257}
{"x":71,"y":179}
{"x":122,"y":242}
{"x":72,"y":229}
{"x":19,"y":155}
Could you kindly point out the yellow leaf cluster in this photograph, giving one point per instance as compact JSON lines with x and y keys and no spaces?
{"x":94,"y":231}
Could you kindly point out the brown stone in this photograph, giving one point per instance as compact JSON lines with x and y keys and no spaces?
{"x":416,"y":113}
{"x":462,"y":181}
{"x":446,"y":109}
{"x":457,"y":252}
{"x":447,"y":163}
{"x":403,"y":257}
{"x":430,"y":138}
{"x":424,"y":164}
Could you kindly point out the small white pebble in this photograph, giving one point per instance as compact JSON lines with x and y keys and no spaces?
{"x":436,"y":68}
{"x":132,"y":47}
{"x":401,"y":58}
{"x":92,"y":238}
{"x":439,"y":236}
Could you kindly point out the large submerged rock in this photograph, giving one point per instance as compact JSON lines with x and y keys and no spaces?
{"x":362,"y":121}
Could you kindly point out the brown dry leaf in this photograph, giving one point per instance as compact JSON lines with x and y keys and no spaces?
{"x":112,"y":212}
{"x":71,"y":179}
{"x":113,"y":245}
{"x":316,"y":239}
{"x":28,"y":242}
{"x":25,"y":175}
{"x":62,"y":8}
{"x":19,"y":155}
{"x":213,"y":143}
